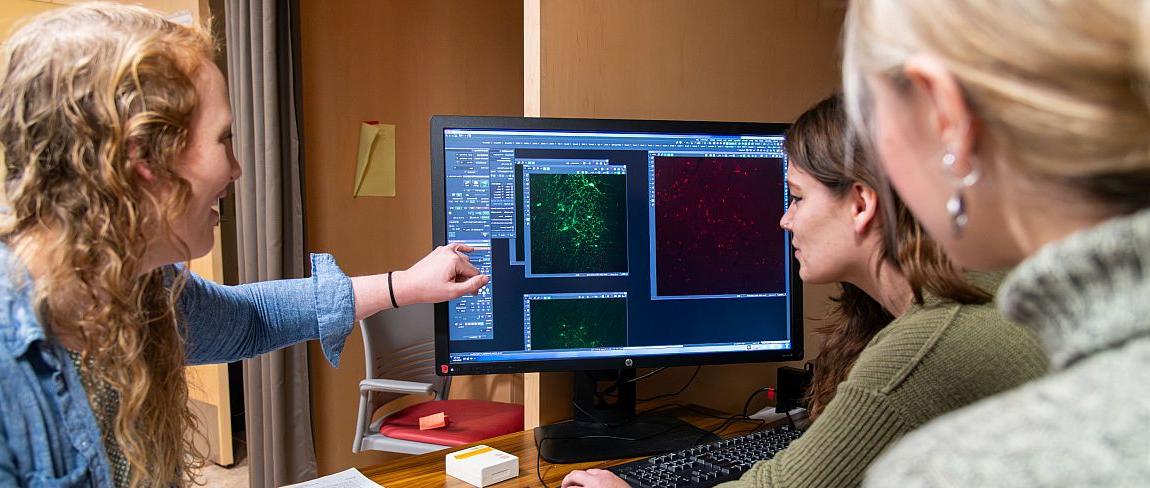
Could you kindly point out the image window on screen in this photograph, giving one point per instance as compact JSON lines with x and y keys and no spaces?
{"x":575,"y":220}
{"x":517,"y":245}
{"x":606,"y":244}
{"x":711,"y":218}
{"x":575,"y":320}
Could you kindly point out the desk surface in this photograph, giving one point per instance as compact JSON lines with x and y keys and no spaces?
{"x":426,"y":470}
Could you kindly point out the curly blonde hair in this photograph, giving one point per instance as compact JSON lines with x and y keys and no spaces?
{"x":88,"y":94}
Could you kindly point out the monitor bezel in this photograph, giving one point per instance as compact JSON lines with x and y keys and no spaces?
{"x":441,"y":123}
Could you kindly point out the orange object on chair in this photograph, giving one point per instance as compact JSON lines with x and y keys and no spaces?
{"x":433,"y":421}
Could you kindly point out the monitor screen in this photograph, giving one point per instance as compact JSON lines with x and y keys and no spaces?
{"x":614,"y":244}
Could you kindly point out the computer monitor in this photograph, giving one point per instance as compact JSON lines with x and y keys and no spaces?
{"x":614,"y":245}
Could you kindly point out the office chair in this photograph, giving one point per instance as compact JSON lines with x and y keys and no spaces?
{"x":399,"y":352}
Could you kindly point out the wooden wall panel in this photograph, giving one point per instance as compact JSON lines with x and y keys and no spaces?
{"x":398,"y":62}
{"x":747,"y":60}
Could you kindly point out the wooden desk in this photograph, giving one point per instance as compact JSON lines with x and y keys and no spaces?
{"x":427,"y":470}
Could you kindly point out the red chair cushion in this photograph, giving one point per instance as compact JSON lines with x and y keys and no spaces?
{"x":467,"y":421}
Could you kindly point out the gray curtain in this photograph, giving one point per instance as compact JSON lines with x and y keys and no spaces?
{"x":263,"y":77}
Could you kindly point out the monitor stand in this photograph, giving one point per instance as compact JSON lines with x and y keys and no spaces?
{"x":611,"y":430}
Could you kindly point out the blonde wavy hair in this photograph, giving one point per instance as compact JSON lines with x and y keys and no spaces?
{"x":1064,"y":95}
{"x":89,"y":93}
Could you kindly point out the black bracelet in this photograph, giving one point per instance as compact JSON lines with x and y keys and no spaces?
{"x":391,"y":291}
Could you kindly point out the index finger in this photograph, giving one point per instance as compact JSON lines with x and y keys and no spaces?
{"x":466,"y":270}
{"x":460,"y":247}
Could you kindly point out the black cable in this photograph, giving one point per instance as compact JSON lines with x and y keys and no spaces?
{"x":600,"y":395}
{"x":610,"y":391}
{"x":666,"y":395}
{"x":538,"y":473}
{"x":588,"y":414}
{"x":747,"y":405}
{"x":732,"y":421}
{"x":648,"y":375}
{"x":728,"y":419}
{"x":761,"y":427}
{"x":684,"y":407}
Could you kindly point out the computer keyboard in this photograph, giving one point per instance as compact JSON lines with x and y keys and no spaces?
{"x":709,"y":464}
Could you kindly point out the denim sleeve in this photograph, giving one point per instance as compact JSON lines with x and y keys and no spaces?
{"x":228,"y":323}
{"x":7,"y":462}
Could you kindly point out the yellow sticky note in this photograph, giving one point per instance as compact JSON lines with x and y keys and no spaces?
{"x":375,"y":165}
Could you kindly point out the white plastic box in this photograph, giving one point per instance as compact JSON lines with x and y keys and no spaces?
{"x":482,"y":465}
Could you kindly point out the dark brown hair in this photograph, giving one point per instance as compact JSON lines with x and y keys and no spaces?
{"x":819,"y":144}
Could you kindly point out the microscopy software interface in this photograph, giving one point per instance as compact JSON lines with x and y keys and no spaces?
{"x":617,"y":244}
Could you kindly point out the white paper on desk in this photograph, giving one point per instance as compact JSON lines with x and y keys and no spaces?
{"x":349,"y":478}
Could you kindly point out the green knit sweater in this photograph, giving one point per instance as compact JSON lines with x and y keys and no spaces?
{"x":935,"y":358}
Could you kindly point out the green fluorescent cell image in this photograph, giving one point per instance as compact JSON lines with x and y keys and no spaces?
{"x":576,"y":323}
{"x":578,"y":223}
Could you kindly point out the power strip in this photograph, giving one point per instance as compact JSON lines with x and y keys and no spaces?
{"x":769,"y":415}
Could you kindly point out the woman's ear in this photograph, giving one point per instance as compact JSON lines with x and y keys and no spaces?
{"x":864,"y":207}
{"x":949,"y":114}
{"x":139,"y":164}
{"x":145,"y":173}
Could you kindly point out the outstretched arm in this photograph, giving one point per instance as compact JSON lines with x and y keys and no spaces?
{"x":444,"y":274}
{"x":227,"y":323}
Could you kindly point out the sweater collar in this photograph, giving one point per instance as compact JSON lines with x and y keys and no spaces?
{"x":1086,"y":293}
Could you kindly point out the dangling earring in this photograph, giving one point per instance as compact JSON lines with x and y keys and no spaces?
{"x":956,"y":204}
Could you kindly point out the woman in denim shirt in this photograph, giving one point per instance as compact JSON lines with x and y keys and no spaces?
{"x":117,"y":139}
